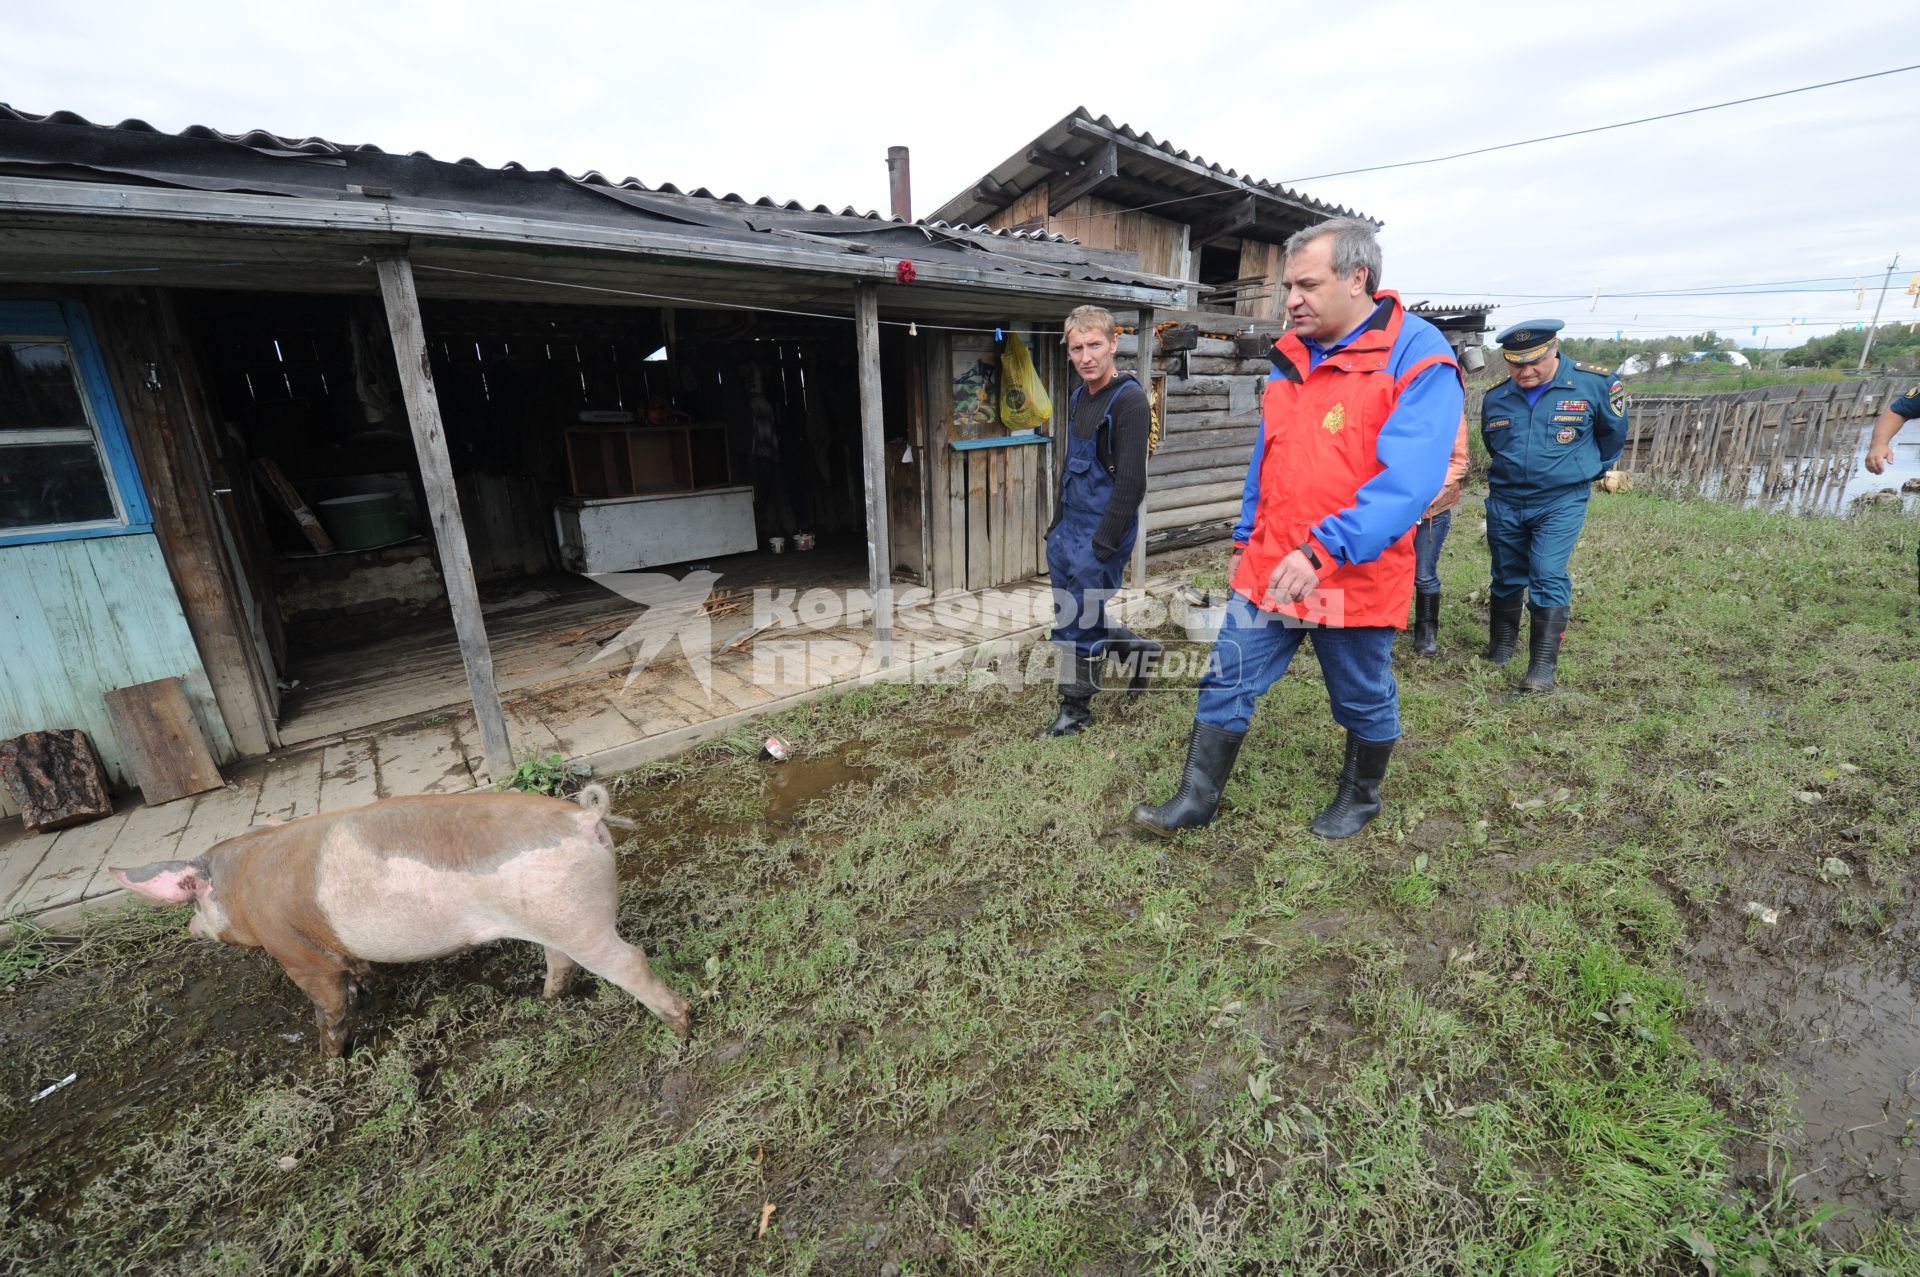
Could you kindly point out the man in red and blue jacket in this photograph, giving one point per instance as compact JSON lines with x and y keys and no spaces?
{"x":1357,"y":426}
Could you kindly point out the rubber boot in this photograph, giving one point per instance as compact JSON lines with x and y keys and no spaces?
{"x":1543,"y":648}
{"x":1210,"y":755}
{"x":1426,"y":624}
{"x":1503,"y":627}
{"x":1358,"y":799}
{"x":1079,"y":680}
{"x":1137,"y":656}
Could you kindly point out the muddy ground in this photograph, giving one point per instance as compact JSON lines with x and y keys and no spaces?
{"x":952,"y":1016}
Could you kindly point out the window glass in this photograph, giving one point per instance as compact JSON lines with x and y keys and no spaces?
{"x":51,"y":468}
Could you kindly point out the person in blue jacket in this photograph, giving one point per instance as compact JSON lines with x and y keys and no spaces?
{"x":1551,"y":429}
{"x":1880,"y":446}
{"x":1097,"y":518}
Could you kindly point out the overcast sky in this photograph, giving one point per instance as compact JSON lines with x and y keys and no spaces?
{"x":801,"y":101}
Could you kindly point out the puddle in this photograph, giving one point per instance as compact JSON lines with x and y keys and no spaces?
{"x":1847,"y":1037}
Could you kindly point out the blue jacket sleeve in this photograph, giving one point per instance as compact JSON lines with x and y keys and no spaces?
{"x":1250,"y":491}
{"x":1610,"y":421}
{"x":1415,"y":445}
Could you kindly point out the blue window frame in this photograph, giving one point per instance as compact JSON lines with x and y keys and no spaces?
{"x":66,"y":468}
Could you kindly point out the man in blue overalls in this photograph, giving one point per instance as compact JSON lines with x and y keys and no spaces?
{"x":1097,"y":518}
{"x":1551,"y":429}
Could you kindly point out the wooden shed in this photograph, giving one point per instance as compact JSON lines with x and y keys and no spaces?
{"x":1215,"y":231}
{"x":270,"y":405}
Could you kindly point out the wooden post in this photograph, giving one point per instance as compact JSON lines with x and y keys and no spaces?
{"x":873,"y":447}
{"x":1143,"y":360}
{"x":443,"y":502}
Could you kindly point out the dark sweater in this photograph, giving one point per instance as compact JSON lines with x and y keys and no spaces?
{"x":1125,"y":454}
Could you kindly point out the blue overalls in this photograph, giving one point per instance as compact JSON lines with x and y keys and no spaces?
{"x":1082,"y":584}
{"x":1542,"y":460}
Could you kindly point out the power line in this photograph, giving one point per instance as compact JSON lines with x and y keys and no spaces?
{"x":1505,"y":146}
{"x":1603,"y":128}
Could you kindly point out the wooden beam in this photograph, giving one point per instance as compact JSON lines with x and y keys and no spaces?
{"x":1220,"y":217}
{"x":1048,"y":159}
{"x":443,"y":502}
{"x":873,"y":449}
{"x":1143,"y":363}
{"x":1103,"y":165}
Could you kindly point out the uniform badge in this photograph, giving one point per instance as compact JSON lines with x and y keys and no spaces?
{"x":1572,"y":405}
{"x":1617,"y":399}
{"x":1335,"y":419}
{"x":1497,"y":422}
{"x":1566,"y":435}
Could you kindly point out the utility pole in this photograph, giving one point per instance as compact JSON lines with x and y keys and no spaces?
{"x":1871,"y":328}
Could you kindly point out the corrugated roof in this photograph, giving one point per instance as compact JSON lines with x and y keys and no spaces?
{"x":311,"y":183}
{"x":1080,"y":133}
{"x":275,"y":145}
{"x":1444,"y":308}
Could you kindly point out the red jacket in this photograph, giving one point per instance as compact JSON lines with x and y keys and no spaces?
{"x":1322,"y":439}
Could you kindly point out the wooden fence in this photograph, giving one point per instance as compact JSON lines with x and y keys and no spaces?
{"x":1794,"y":444}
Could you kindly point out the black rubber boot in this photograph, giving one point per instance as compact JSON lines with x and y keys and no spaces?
{"x":1079,"y":680}
{"x":1137,"y":656}
{"x":1543,"y":648}
{"x":1426,"y":624}
{"x":1503,"y":627}
{"x":1358,"y":798}
{"x":1210,"y":755}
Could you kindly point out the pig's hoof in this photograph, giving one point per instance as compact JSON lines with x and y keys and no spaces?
{"x":681,"y":1022}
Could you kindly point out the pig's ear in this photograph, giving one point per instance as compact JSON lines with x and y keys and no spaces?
{"x":171,"y":882}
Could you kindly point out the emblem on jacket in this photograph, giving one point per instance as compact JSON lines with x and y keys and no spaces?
{"x":1336,"y":418}
{"x":1617,"y":399}
{"x":1565,"y":435}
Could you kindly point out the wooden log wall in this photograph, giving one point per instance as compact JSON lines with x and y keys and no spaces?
{"x":1212,"y":426}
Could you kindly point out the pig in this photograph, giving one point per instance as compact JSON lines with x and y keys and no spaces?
{"x":407,"y":879}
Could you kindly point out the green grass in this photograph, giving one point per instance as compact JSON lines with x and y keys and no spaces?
{"x":953,"y":1016}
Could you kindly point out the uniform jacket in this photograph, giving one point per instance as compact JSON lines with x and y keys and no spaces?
{"x":1355,"y":441}
{"x":1572,"y":434}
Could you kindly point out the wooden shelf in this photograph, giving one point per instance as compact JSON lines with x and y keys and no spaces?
{"x":625,"y":461}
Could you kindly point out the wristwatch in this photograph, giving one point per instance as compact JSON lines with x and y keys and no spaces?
{"x":1306,"y":548}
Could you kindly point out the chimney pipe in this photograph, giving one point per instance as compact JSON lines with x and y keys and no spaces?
{"x":899,"y":183}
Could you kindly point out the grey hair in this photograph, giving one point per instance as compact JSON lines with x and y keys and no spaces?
{"x":1354,"y":246}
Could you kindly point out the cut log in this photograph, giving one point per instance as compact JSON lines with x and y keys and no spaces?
{"x":164,"y":747}
{"x":55,"y":778}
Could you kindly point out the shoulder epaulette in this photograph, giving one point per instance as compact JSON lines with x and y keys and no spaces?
{"x":1604,"y":372}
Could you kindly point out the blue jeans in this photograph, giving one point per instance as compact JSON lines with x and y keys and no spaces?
{"x":1255,"y":648}
{"x":1429,"y":535}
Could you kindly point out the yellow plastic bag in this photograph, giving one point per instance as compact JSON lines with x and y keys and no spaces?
{"x":1024,"y":403}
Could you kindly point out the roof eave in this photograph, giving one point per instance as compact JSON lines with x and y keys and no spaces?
{"x":377,"y":221}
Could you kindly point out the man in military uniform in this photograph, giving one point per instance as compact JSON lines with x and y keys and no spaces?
{"x":1880,"y":447}
{"x":1551,"y":429}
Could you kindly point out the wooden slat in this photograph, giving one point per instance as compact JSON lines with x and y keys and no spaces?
{"x":979,"y":547}
{"x":164,"y":748}
{"x":290,"y":787}
{"x":221,"y":814}
{"x":349,"y":776}
{"x":68,"y":869}
{"x":436,"y":476}
{"x":873,"y":445}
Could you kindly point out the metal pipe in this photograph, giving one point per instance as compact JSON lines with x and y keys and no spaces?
{"x":900,"y":183}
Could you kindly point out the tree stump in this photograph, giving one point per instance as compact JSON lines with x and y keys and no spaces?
{"x":55,"y":778}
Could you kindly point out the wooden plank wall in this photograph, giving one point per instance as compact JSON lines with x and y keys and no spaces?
{"x":157,"y":387}
{"x":88,"y":616}
{"x":1098,"y":223}
{"x":1259,"y":262}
